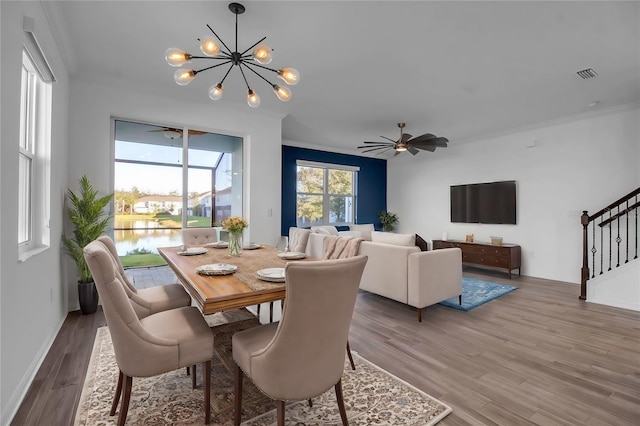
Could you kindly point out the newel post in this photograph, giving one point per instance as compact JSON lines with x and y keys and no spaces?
{"x":584,"y":219}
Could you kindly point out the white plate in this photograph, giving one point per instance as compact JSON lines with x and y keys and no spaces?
{"x":218,"y":244}
{"x":191,"y":251}
{"x":271,"y":274}
{"x":216,"y":269}
{"x":251,"y":246}
{"x":292,"y":255}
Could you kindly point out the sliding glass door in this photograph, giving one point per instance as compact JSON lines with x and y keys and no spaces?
{"x":169,"y":178}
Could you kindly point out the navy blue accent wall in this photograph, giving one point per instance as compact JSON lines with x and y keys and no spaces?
{"x":371,"y":190}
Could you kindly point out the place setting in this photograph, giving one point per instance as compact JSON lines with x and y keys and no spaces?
{"x":292,"y":255}
{"x":192,"y":251}
{"x":275,"y":275}
{"x":218,"y":244}
{"x":216,"y":269}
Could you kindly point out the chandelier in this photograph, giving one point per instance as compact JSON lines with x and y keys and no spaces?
{"x":216,"y":49}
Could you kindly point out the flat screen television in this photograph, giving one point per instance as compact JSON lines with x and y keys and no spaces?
{"x":493,"y":202}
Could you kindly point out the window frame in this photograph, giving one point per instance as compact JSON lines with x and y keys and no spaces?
{"x":34,"y":145}
{"x":326,"y":195}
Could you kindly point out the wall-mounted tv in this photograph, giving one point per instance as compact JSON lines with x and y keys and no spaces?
{"x":493,"y":202}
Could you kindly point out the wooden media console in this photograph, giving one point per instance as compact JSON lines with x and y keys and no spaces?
{"x":506,"y":256}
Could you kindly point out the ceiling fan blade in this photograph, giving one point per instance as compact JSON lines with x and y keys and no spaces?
{"x":389,"y":139}
{"x":439,"y":142}
{"x":197,"y":132}
{"x":406,"y":136}
{"x":373,"y":146}
{"x":381,"y":152}
{"x":429,"y":148}
{"x":412,"y":150}
{"x":380,"y":143}
{"x":377,"y":148}
{"x":424,"y":137}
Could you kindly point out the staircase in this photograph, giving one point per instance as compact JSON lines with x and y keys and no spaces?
{"x":610,"y":263}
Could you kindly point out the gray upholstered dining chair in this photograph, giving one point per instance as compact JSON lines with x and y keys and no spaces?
{"x":153,"y":345}
{"x":199,"y":235}
{"x":150,"y":300}
{"x":298,"y":238}
{"x":302,"y":356}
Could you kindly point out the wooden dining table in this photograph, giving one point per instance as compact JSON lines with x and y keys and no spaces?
{"x":216,"y":293}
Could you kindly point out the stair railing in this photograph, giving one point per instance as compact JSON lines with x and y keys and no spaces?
{"x":613,"y":223}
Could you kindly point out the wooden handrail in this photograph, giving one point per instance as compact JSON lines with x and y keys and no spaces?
{"x":585,"y":219}
{"x":614,"y":204}
{"x":622,"y":213}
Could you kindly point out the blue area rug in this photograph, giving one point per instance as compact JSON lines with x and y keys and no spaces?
{"x":475,"y":292}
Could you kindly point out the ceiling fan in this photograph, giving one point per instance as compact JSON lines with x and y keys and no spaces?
{"x":407,"y":142}
{"x":173,"y":133}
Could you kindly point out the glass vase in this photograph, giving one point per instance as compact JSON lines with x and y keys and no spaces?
{"x":235,"y":243}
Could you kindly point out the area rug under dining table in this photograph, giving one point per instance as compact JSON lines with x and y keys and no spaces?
{"x":372,"y":395}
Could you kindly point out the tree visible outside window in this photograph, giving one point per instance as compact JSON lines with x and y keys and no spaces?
{"x":325,"y":194}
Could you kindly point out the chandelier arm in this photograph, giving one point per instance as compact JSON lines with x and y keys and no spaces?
{"x":218,"y":37}
{"x":254,"y":45}
{"x":228,"y":71}
{"x":212,"y":66}
{"x":256,"y":73}
{"x":266,"y":68}
{"x":244,"y":76}
{"x":226,"y":56}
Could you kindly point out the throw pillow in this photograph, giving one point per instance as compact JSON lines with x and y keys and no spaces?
{"x":420,"y":242}
{"x":407,"y":240}
{"x":365,"y":230}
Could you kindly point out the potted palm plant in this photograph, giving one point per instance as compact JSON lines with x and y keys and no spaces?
{"x":86,"y":213}
{"x":388,"y":220}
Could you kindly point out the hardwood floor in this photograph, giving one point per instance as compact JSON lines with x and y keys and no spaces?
{"x":537,"y":355}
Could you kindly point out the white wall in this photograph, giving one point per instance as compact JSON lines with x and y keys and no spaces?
{"x":584,"y":163}
{"x":33,"y":294}
{"x":91,"y":151}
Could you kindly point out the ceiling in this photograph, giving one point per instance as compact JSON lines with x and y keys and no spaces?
{"x":463,"y":70}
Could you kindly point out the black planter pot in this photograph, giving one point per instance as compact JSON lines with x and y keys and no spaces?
{"x":88,"y":297}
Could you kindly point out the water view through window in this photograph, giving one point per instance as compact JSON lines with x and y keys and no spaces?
{"x":163,"y":183}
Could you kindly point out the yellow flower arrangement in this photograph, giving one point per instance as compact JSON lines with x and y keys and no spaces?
{"x":235,"y":224}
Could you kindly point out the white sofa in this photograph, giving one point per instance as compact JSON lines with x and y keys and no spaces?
{"x":405,"y":274}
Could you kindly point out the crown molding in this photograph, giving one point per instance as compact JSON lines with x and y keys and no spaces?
{"x":58,"y":27}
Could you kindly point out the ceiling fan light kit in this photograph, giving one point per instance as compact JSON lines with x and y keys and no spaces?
{"x":213,"y":48}
{"x":406,"y":142}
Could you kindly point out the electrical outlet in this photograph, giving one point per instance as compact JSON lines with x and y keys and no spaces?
{"x":269,"y":212}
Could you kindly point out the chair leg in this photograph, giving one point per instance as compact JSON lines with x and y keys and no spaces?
{"x":128,"y":381}
{"x":270,"y":311}
{"x":258,"y":311}
{"x":237,"y":395}
{"x":460,"y":300}
{"x":116,"y":397}
{"x":341,"y":408}
{"x":206,"y":372}
{"x":353,"y":366}
{"x":419,"y":314}
{"x":193,"y":377}
{"x":188,"y":371}
{"x":310,"y":402}
{"x":280,"y":410}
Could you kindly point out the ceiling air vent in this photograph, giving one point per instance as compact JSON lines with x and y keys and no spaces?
{"x":587,"y":73}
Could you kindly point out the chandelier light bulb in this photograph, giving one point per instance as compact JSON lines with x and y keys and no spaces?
{"x":184,"y":76}
{"x":215,"y":92}
{"x":291,"y":76}
{"x":176,"y":57}
{"x":262,"y":54}
{"x":283,"y":93}
{"x":401,"y":147}
{"x":253,"y":99}
{"x":209,"y":46}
